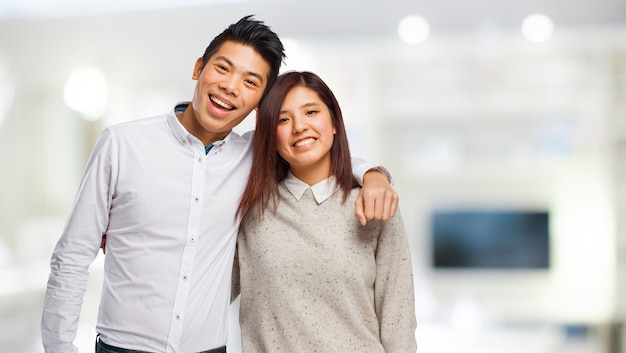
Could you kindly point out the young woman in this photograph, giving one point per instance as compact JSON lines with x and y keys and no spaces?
{"x":312,"y":279}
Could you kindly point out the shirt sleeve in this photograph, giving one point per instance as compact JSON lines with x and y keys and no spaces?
{"x":394,"y":291}
{"x":360,"y":167}
{"x":76,"y":250}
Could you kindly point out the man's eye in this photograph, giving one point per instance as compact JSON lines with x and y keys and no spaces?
{"x":252,"y":83}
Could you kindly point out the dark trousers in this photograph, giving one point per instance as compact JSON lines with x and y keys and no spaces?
{"x":102,"y":347}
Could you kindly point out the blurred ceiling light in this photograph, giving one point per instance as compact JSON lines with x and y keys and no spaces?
{"x":537,"y":28}
{"x":86,"y":92}
{"x":413,"y":29}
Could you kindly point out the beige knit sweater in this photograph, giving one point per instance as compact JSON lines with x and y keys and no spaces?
{"x":312,"y":279}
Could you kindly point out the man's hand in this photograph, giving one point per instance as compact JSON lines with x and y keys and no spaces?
{"x":377,"y":199}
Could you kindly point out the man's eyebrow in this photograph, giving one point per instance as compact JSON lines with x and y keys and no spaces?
{"x":230,"y":63}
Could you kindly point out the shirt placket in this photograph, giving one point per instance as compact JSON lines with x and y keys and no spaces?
{"x":189,"y":251}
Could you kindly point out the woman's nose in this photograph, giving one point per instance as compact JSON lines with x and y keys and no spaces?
{"x":299,"y":125}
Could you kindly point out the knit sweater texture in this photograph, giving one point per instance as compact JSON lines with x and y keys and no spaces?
{"x":312,"y":279}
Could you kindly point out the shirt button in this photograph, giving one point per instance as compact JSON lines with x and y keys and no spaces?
{"x":184,"y":278}
{"x":199,"y":160}
{"x":197,"y":199}
{"x":177,"y":317}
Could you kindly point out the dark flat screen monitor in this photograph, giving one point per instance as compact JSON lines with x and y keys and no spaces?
{"x":490,"y":239}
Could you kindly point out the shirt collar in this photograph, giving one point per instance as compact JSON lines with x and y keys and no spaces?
{"x":321,"y":191}
{"x":179,"y":130}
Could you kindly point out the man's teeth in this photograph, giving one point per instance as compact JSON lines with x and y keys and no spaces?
{"x":304,"y":142}
{"x":221,"y":103}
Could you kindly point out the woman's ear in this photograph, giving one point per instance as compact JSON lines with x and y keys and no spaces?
{"x":197,"y":69}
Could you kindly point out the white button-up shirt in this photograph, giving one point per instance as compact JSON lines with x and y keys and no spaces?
{"x":168,"y":211}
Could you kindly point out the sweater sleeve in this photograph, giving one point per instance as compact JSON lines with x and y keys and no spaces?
{"x":394,"y":292}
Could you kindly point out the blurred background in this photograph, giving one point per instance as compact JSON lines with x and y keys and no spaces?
{"x":502,"y":122}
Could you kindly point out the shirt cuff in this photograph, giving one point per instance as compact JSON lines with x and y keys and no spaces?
{"x":360,"y":167}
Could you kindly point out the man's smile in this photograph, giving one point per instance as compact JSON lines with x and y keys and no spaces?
{"x":221,"y":103}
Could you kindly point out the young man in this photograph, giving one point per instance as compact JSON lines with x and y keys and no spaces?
{"x":164,"y":191}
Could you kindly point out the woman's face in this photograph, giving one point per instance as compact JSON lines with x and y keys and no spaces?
{"x":305,"y":134}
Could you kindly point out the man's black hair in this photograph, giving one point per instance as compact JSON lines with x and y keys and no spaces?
{"x":258,"y":36}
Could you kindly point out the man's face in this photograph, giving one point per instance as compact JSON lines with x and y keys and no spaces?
{"x":229,"y":87}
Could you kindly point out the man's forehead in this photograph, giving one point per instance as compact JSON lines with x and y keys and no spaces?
{"x":243,"y":56}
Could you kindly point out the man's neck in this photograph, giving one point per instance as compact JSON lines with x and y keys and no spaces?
{"x":187,"y":118}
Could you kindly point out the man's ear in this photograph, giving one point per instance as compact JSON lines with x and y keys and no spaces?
{"x":197,"y":69}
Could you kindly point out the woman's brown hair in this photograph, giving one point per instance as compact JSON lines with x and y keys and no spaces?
{"x":268,"y":167}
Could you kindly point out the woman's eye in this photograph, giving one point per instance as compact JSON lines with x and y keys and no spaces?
{"x":282,"y":120}
{"x":311,"y":112}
